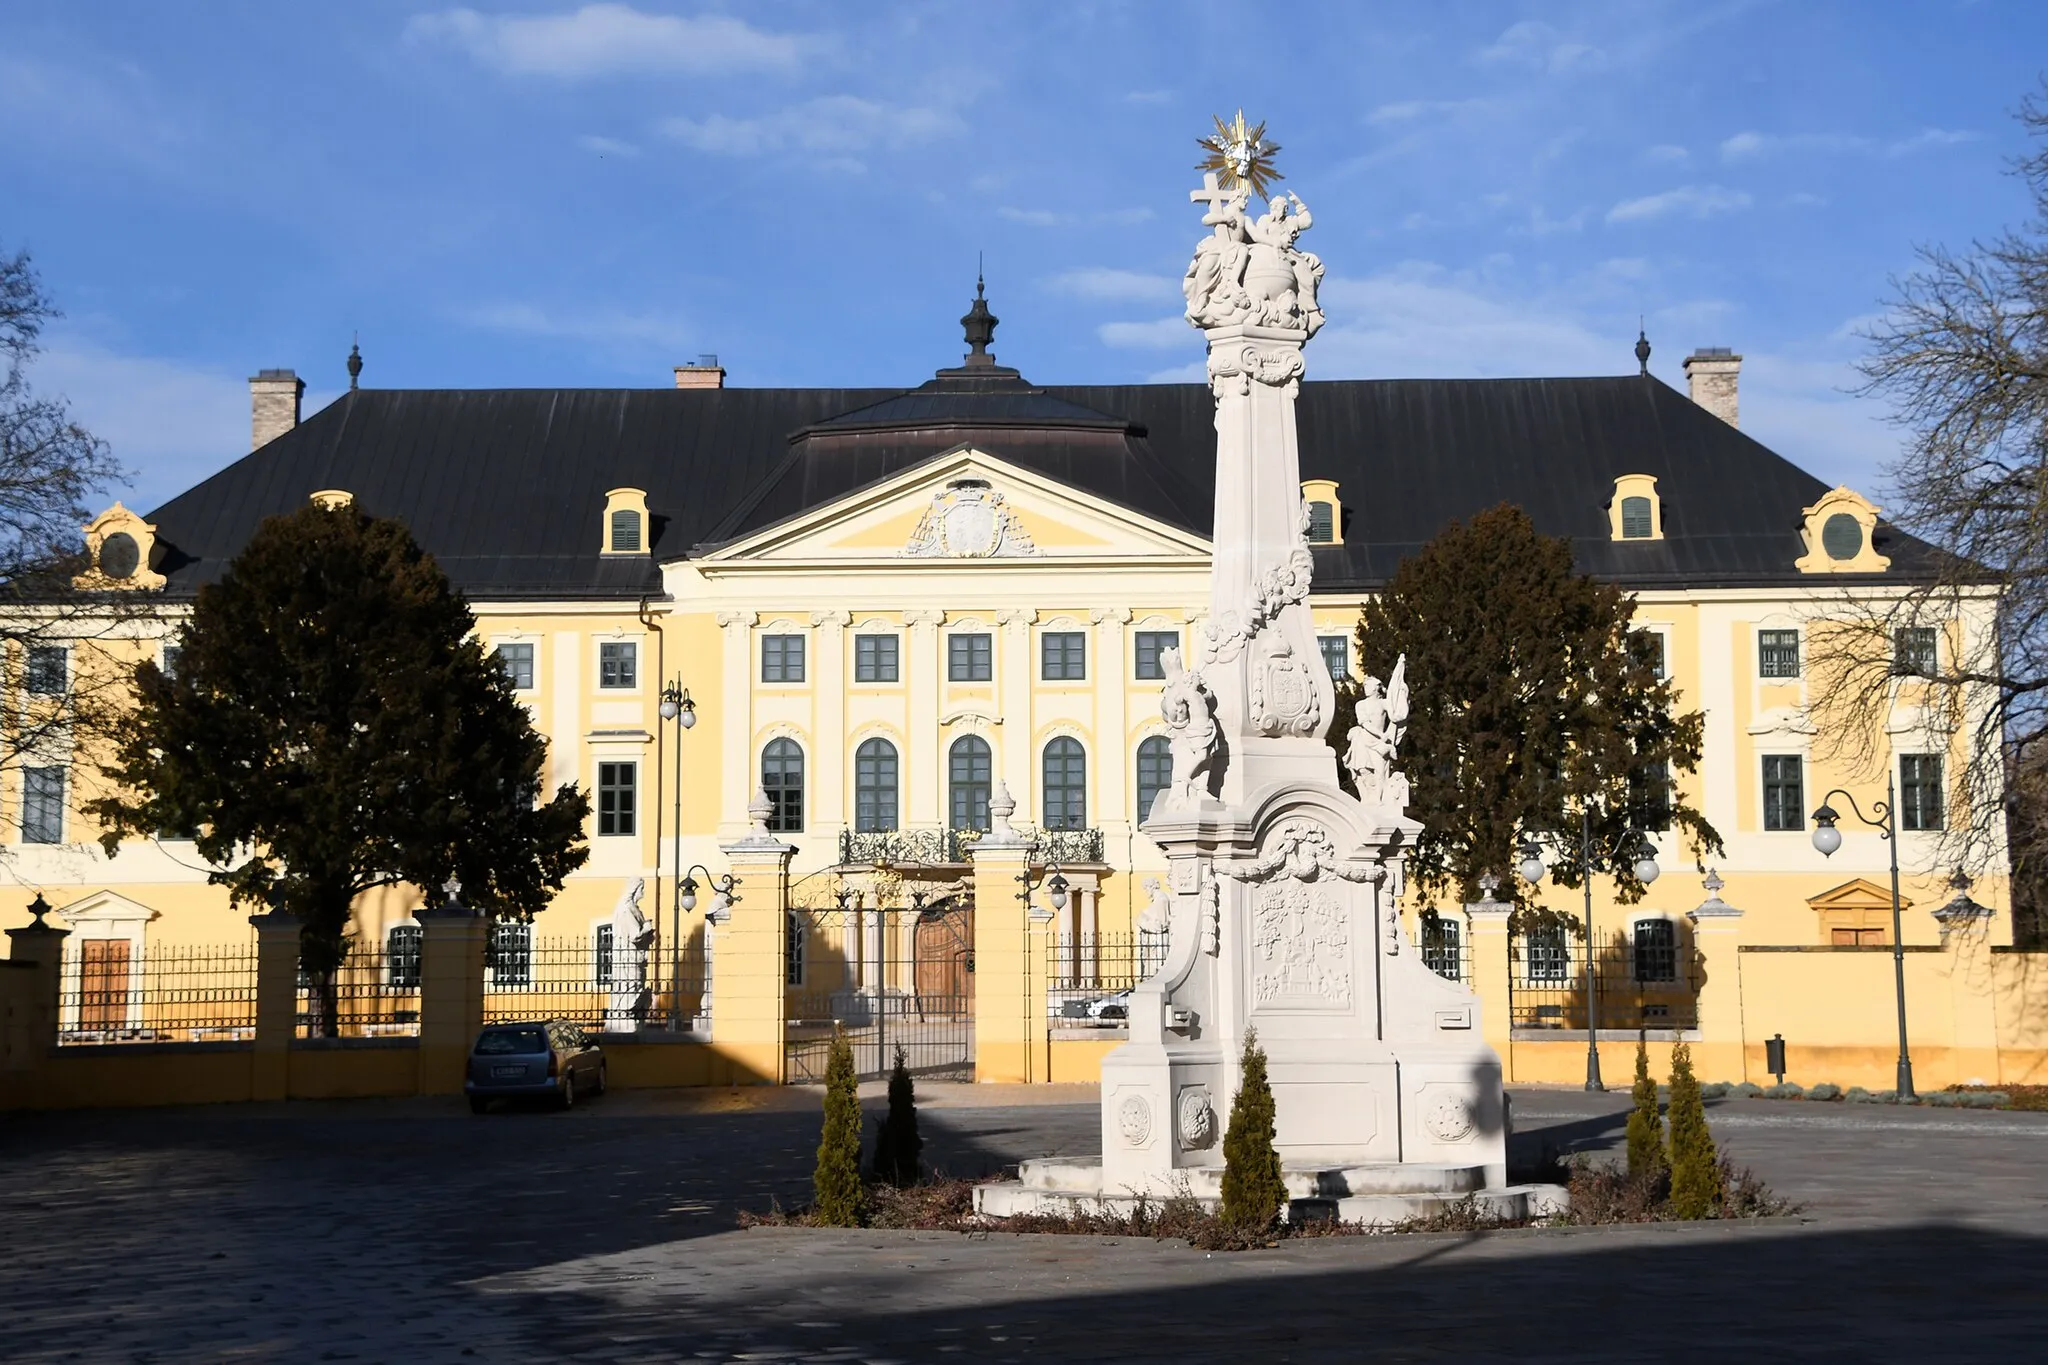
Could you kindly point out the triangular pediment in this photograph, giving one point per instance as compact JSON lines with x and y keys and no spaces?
{"x":963,"y":508}
{"x":105,"y":908}
{"x":1856,"y":895}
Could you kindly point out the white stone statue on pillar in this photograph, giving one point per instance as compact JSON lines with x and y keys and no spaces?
{"x":631,"y":936}
{"x":1382,"y":715}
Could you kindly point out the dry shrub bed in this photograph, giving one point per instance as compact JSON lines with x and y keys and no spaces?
{"x":1601,"y":1193}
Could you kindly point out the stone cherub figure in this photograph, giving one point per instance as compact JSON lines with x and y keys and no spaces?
{"x":1273,"y":237}
{"x":1382,"y":715}
{"x":1189,"y":710}
{"x":1157,"y":916}
{"x":631,"y":935}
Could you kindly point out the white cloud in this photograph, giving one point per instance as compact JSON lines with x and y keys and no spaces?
{"x":1536,"y":44}
{"x":1116,"y":286}
{"x":1665,"y":153}
{"x":1414,"y":111}
{"x":1033,"y":217}
{"x":607,"y":146}
{"x":831,"y":124}
{"x":613,"y":329}
{"x":1696,"y":201}
{"x":1194,"y":372}
{"x":1928,"y":137}
{"x":603,"y":39}
{"x":170,"y":422}
{"x":1149,"y":97}
{"x":1755,"y":146}
{"x":1165,"y":334}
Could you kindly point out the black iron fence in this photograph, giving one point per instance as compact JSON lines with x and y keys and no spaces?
{"x":595,"y":983}
{"x":375,"y":994}
{"x":1444,"y":948}
{"x":1088,"y":977}
{"x":115,"y":991}
{"x":1648,"y":977}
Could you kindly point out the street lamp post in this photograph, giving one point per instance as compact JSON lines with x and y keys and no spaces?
{"x":676,"y":706}
{"x":1827,"y":838}
{"x":1646,"y":870}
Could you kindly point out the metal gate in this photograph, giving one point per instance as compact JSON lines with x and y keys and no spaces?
{"x":886,"y":977}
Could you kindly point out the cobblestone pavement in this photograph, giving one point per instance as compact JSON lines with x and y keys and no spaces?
{"x":409,"y":1231}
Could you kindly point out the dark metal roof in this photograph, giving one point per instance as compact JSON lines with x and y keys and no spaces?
{"x":506,"y":487}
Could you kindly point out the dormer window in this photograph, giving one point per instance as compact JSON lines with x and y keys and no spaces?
{"x":118,"y":545}
{"x":625,"y":522}
{"x":1839,"y":532}
{"x":1635,"y":512}
{"x":1325,"y":512}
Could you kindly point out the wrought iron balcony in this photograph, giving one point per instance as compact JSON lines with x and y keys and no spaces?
{"x":925,"y":847}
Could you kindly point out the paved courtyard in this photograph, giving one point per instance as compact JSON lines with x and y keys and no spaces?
{"x":410,"y":1231}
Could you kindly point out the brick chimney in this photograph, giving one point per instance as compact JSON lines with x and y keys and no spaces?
{"x":1713,"y":373}
{"x":707,"y":373}
{"x":273,"y":405}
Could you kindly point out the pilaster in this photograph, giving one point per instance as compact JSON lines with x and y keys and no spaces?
{"x":925,"y":763}
{"x":1010,"y":952}
{"x":1720,"y":1054}
{"x":1113,"y":760}
{"x":277,"y":1002}
{"x":1016,"y":756}
{"x":736,"y":771}
{"x":828,"y":789}
{"x":452,"y":942}
{"x":1488,"y":923}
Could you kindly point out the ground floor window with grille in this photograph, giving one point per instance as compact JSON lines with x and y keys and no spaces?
{"x":1920,"y":792}
{"x":402,"y":956}
{"x":1656,"y":950}
{"x":1544,"y":955}
{"x":511,"y":955}
{"x":601,"y":955}
{"x":1440,"y":947}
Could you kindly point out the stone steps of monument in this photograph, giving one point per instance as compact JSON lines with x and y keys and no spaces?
{"x":1004,"y":1199}
{"x":1069,"y":1174}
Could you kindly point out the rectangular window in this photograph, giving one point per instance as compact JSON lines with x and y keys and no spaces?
{"x":510,"y":955}
{"x":874,"y":658}
{"x":1649,"y":796}
{"x":1777,"y":653}
{"x":49,"y":669}
{"x":42,"y":805}
{"x":1063,"y":656}
{"x":1656,"y":950}
{"x":169,"y":667}
{"x":1784,"y":791}
{"x":1544,"y":954}
{"x":1920,"y":804}
{"x":618,"y":664}
{"x":402,"y":947}
{"x":1152,"y":647}
{"x":617,"y":787}
{"x":782,"y":658}
{"x":1336,"y":655}
{"x":969,"y":658}
{"x":793,"y":952}
{"x":1916,"y":652}
{"x":517,"y":661}
{"x":601,"y":955}
{"x":1652,"y":642}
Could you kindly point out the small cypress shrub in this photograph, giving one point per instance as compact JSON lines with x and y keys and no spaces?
{"x":898,"y":1147}
{"x":1695,"y":1167}
{"x":840,"y":1198}
{"x":1645,"y":1124}
{"x":1253,"y":1192}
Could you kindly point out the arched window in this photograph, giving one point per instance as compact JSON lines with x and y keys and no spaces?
{"x":1066,"y":784}
{"x":969,"y":772}
{"x":1155,"y":772}
{"x":625,"y":531}
{"x":782,"y":777}
{"x":874,"y":786}
{"x":1635,"y":518}
{"x":1656,"y":950}
{"x":1322,"y":523}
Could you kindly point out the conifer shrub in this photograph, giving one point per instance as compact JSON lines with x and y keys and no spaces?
{"x":1826,"y":1090}
{"x":898,"y":1146}
{"x":840,"y":1201}
{"x":1645,"y":1124}
{"x":1745,"y":1090}
{"x":1695,"y":1167}
{"x":1253,"y":1192}
{"x":1856,"y":1094}
{"x":1786,"y":1090}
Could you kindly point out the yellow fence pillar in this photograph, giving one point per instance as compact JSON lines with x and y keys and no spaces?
{"x":452,"y":942}
{"x":749,"y":956}
{"x":1721,"y":1054}
{"x":1009,"y":958}
{"x":277,"y":1003}
{"x":1966,"y":933}
{"x":37,"y":952}
{"x":1490,"y":968}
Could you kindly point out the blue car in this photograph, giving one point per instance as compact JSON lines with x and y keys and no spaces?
{"x":549,"y":1059}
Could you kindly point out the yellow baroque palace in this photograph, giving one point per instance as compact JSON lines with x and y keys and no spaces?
{"x":889,"y":606}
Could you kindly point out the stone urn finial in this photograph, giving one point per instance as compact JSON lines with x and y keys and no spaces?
{"x":759,"y":809}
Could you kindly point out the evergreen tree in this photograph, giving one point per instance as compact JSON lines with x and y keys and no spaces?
{"x":1695,"y":1166}
{"x":840,"y":1198}
{"x":898,"y":1147}
{"x":1645,"y":1124}
{"x":1530,"y":699}
{"x":334,"y":726}
{"x":1253,"y":1192}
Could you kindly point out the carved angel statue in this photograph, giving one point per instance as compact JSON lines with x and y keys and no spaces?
{"x":1273,"y":247}
{"x":631,"y":936}
{"x":1382,"y":715}
{"x":1157,"y":916}
{"x":1189,"y":710}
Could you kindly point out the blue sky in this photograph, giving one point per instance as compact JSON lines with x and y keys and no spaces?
{"x":561,"y":194}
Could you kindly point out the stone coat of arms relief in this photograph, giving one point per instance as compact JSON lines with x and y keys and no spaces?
{"x":969,"y":520}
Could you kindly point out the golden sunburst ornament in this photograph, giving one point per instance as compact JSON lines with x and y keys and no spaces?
{"x":1240,"y":156}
